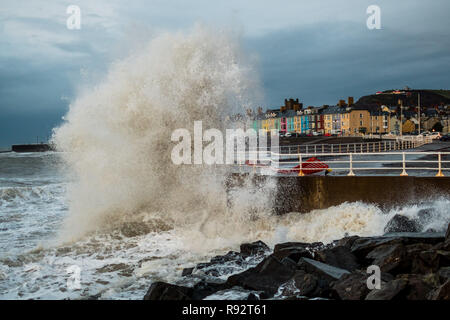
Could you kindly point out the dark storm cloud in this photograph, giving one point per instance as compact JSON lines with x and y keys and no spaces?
{"x":318,"y":51}
{"x":320,"y":64}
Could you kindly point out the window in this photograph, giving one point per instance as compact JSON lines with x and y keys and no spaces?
{"x":360,"y":123}
{"x":361,"y":115}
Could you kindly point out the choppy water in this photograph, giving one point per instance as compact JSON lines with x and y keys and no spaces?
{"x":114,"y":211}
{"x":121,"y":263}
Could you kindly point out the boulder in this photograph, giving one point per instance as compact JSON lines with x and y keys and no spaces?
{"x":422,"y":258}
{"x":299,"y":245}
{"x":388,"y":291}
{"x":253,"y":297}
{"x":222,"y":265}
{"x":206,"y":288}
{"x":444,"y":274}
{"x":389,"y":257}
{"x":307,"y":284}
{"x":352,"y":286}
{"x":293,"y":253}
{"x":165,"y":291}
{"x":362,"y":246}
{"x":346,"y":241}
{"x":186,"y":272}
{"x":339,"y":256}
{"x":400,"y":223}
{"x":267,"y":276}
{"x":320,"y":269}
{"x":418,"y":286}
{"x":254,"y":248}
{"x":441,"y":293}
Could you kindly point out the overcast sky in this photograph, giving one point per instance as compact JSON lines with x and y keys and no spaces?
{"x":319,"y":51}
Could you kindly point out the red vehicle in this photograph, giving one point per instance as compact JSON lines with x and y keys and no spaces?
{"x":327,"y":134}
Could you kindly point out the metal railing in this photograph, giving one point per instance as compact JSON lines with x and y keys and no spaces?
{"x":352,"y":163}
{"x":400,"y":143}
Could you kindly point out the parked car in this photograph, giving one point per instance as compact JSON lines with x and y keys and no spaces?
{"x":435,"y":135}
{"x":445,"y":137}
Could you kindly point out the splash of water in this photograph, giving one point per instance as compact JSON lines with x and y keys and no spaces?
{"x":116,"y":136}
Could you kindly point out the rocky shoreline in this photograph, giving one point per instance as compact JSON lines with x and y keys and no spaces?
{"x":413,"y":265}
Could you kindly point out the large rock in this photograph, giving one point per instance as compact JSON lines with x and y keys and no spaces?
{"x":339,"y":256}
{"x":346,"y":241}
{"x":389,"y":291}
{"x":203,"y":289}
{"x":352,"y":286}
{"x":447,"y":234}
{"x":441,"y":293}
{"x":267,"y":276}
{"x":293,"y":253}
{"x":389,"y":257}
{"x":321,"y":269}
{"x":299,"y":245}
{"x":400,"y":223}
{"x":307,"y":284}
{"x":254,"y":248}
{"x":421,"y":258}
{"x":166,"y":291}
{"x":444,"y":274}
{"x":222,"y":265}
{"x":362,"y":246}
{"x":419,"y":286}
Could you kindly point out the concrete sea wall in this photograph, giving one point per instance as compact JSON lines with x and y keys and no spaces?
{"x":303,"y":194}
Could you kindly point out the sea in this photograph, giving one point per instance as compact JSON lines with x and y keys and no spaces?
{"x":109,"y":212}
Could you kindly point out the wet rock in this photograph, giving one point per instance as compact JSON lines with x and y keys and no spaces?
{"x":401,"y":223}
{"x":421,"y":259}
{"x":320,"y":269}
{"x":390,"y":258}
{"x":267,"y":276}
{"x":298,"y":245}
{"x":447,"y":234}
{"x":444,"y":274}
{"x":442,"y":246}
{"x":362,"y":246}
{"x":288,"y":262}
{"x":352,"y":286}
{"x":293,"y":253}
{"x":418,"y":287}
{"x":231,"y":256}
{"x":309,"y":285}
{"x":166,"y":291}
{"x":389,"y":291}
{"x":205,"y":288}
{"x":187,"y":272}
{"x":339,"y":256}
{"x":346,"y":241}
{"x":441,"y":293}
{"x":222,"y":265}
{"x":253,"y":297}
{"x":254,"y":248}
